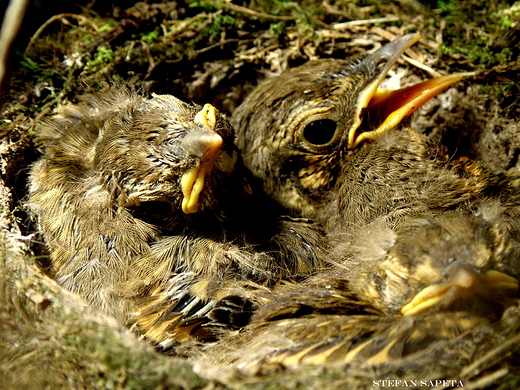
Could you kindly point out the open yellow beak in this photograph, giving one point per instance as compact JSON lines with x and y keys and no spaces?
{"x":386,"y":108}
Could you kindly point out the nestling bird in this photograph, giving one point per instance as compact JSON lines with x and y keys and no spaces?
{"x":148,"y":213}
{"x":427,"y":248}
{"x":454,"y":265}
{"x":326,"y":144}
{"x":327,"y":326}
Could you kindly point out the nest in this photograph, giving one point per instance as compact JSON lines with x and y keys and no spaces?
{"x":214,"y":52}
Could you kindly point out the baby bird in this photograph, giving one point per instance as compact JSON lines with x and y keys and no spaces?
{"x":148,"y":213}
{"x":325,"y":142}
{"x":325,"y":325}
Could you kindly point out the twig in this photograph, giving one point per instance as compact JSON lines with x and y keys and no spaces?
{"x":414,"y":4}
{"x":422,"y":66}
{"x":490,"y":355}
{"x":333,"y":11}
{"x":220,"y":43}
{"x":485,"y":381}
{"x":11,"y":24}
{"x":250,"y":12}
{"x":353,"y":23}
{"x":58,"y":17}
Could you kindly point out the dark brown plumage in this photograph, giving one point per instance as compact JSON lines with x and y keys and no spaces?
{"x":147,"y":213}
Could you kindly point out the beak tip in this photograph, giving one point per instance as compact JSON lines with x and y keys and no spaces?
{"x":393,"y":50}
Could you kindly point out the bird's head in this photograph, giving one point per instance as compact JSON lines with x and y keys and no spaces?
{"x":295,"y":129}
{"x":166,"y":153}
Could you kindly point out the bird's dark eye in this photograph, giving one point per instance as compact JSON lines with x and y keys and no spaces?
{"x":320,"y":132}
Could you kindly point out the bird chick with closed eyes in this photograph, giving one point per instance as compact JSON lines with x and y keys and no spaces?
{"x":147,"y":212}
{"x":326,"y":143}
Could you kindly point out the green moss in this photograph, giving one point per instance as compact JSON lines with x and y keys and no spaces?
{"x":477,"y":52}
{"x":510,"y":381}
{"x":219,"y":24}
{"x":277,"y":28}
{"x":481,"y":49}
{"x":449,"y":9}
{"x":29,"y":64}
{"x":500,"y":91}
{"x":207,"y":5}
{"x":103,"y":56}
{"x":506,"y":22}
{"x":109,"y":362}
{"x":107,"y":26}
{"x":150,"y":37}
{"x":304,"y":16}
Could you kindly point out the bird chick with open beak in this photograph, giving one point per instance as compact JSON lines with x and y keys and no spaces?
{"x":326,"y":142}
{"x":147,"y":212}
